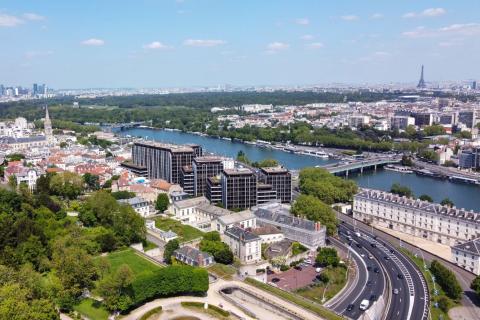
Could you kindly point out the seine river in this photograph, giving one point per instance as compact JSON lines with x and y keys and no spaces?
{"x":463,"y":195}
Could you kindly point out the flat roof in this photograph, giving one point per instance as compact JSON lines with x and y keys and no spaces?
{"x":277,"y":169}
{"x":166,"y":146}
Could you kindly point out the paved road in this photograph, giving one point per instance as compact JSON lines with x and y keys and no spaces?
{"x":369,"y":283}
{"x":469,"y":300}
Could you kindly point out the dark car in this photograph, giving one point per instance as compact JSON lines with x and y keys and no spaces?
{"x":373,"y":297}
{"x":369,"y":268}
{"x":375,"y":237}
{"x":275,"y":280}
{"x":373,"y":245}
{"x":298,"y":268}
{"x":400,"y":276}
{"x":376,"y":270}
{"x":359,"y":245}
{"x":392,"y":251}
{"x":350,"y":307}
{"x":369,"y":283}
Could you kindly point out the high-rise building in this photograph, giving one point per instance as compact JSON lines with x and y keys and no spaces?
{"x":197,"y":149}
{"x":187,"y":180}
{"x":421,"y":83}
{"x":163,"y":161}
{"x":423,"y":118}
{"x":467,"y":117}
{"x":204,"y":168}
{"x":2,"y":90}
{"x":281,"y":181}
{"x":35,"y":89}
{"x":402,"y":122}
{"x":214,"y":190}
{"x":239,"y":188}
{"x":265,"y":193}
{"x":469,"y":159}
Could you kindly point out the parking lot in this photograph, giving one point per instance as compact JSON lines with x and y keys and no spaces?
{"x":293,"y":279}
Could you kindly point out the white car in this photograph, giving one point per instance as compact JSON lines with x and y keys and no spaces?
{"x":364,"y":304}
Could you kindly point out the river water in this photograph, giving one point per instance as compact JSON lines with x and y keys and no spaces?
{"x":463,"y":195}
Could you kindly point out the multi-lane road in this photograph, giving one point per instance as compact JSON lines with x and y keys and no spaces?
{"x":382,"y":272}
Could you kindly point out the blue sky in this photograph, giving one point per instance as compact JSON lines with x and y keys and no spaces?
{"x":154,"y":43}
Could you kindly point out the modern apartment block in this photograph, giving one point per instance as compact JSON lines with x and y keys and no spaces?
{"x":204,"y":168}
{"x":281,"y":181}
{"x":265,"y":193}
{"x":214,"y":190}
{"x":187,"y":180}
{"x":469,"y":159}
{"x":163,"y":161}
{"x":239,"y":188}
{"x":432,"y":221}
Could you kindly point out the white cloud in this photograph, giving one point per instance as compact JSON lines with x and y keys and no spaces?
{"x":93,"y":42}
{"x":302,"y":21}
{"x":33,"y":17}
{"x":276,"y":46}
{"x":459,"y":29}
{"x":316,"y":45}
{"x":203,"y":42}
{"x":377,"y":16}
{"x":9,"y":21}
{"x":433,"y":12}
{"x":156,"y":45}
{"x":430,"y":12}
{"x":349,"y":17}
{"x":34,"y":54}
{"x":307,"y":37}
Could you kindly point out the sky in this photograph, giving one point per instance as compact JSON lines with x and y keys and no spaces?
{"x":184,"y":43}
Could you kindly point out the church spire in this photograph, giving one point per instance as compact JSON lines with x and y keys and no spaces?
{"x":47,"y":125}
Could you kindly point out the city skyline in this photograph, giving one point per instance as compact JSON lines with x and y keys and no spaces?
{"x":205,"y":43}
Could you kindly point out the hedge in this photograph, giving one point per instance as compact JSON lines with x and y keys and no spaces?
{"x":447,"y":280}
{"x":169,"y":281}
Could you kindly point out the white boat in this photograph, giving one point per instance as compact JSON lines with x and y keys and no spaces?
{"x":400,"y":169}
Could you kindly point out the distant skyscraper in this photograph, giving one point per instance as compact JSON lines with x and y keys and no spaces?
{"x":421,"y":82}
{"x":35,"y":89}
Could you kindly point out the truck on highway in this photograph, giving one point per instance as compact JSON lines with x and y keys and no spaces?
{"x":364,"y":304}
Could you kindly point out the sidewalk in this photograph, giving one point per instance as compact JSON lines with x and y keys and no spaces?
{"x":438,"y":249}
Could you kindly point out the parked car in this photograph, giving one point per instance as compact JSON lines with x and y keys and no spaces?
{"x":275,"y":280}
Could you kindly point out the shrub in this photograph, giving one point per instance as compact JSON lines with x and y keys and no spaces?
{"x":284,"y":267}
{"x":444,"y":304}
{"x":447,"y":280}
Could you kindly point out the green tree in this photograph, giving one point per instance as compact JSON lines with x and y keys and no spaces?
{"x":447,"y":280}
{"x":475,"y":285}
{"x":212,"y":236}
{"x":425,"y":197}
{"x":434,"y":130}
{"x":242,"y":157}
{"x":447,"y":202}
{"x":429,"y":155}
{"x":266,"y":163}
{"x":401,"y":190}
{"x":327,"y":257}
{"x":219,"y":250}
{"x":407,"y":161}
{"x":92,"y":181}
{"x":118,"y":195}
{"x":162,"y":202}
{"x":116,"y":290}
{"x":170,"y":247}
{"x":314,"y":209}
{"x":444,"y":304}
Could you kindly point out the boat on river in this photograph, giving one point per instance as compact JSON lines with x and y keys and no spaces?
{"x":400,"y":169}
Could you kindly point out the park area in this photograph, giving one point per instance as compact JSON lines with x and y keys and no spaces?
{"x":185,"y":232}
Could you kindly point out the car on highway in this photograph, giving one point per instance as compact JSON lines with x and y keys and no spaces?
{"x":369,"y":283}
{"x":364,"y":304}
{"x":376,"y":270}
{"x":370,"y":256}
{"x":373,"y":297}
{"x":373,"y":245}
{"x":395,"y":291}
{"x":358,"y":234}
{"x":369,"y":268}
{"x":387,"y":258}
{"x":359,"y":245}
{"x":350,"y":307}
{"x":400,"y":276}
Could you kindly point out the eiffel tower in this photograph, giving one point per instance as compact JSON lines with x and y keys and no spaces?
{"x":421,"y":83}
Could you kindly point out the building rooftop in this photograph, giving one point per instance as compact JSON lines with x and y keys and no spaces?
{"x":207,"y":159}
{"x":472,"y":247}
{"x":236,"y":217}
{"x":278,"y":169}
{"x":238,"y":171}
{"x":133,"y":201}
{"x":241,"y":234}
{"x":166,"y":146}
{"x":192,"y":202}
{"x":266,"y":230}
{"x":213,"y":210}
{"x":192,"y":253}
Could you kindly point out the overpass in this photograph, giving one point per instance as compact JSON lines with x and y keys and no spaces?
{"x":123,"y":126}
{"x":344,"y":168}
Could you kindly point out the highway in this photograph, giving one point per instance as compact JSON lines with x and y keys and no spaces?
{"x":368,"y":282}
{"x":469,"y":299}
{"x":412,"y":300}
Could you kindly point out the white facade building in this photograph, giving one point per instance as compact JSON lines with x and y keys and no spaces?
{"x":431,"y":221}
{"x":243,"y":219}
{"x":246,"y":246}
{"x":140,"y":205}
{"x":467,"y":256}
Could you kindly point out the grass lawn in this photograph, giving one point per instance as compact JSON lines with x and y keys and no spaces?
{"x":436,"y":313}
{"x":337,"y":280}
{"x":154,"y":313}
{"x":296,"y":299}
{"x":92,"y":309}
{"x":137,"y":263}
{"x":298,"y":248}
{"x":149,"y":246}
{"x":222,"y":271}
{"x":185,"y":233}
